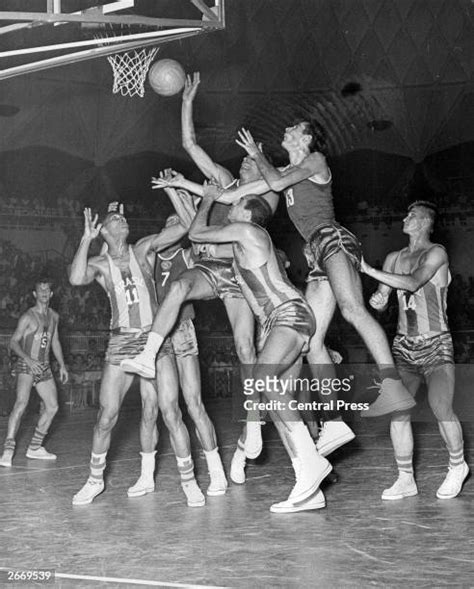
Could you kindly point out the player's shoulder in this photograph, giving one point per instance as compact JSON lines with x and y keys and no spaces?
{"x":54,"y":314}
{"x":436,"y":251}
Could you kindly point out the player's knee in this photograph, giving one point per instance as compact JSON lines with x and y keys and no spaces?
{"x":106,"y":420}
{"x":245,"y":350}
{"x":51,"y":409}
{"x":441,"y":410}
{"x":195,"y":409}
{"x":172,"y":416}
{"x":352,"y":310}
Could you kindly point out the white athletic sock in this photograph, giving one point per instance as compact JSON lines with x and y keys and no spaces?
{"x":148,"y":464}
{"x":97,"y":466}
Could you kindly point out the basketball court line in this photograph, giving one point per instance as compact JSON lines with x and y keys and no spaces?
{"x":143,"y":582}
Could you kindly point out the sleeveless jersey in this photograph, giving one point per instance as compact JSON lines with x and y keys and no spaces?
{"x":37,"y":344}
{"x":168,"y":269}
{"x":265,"y":288}
{"x":309,"y":204}
{"x":422,"y":312}
{"x":131,"y":294}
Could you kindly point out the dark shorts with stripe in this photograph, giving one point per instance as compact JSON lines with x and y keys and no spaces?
{"x":327,"y":240}
{"x":181,"y":342}
{"x":221,"y":276}
{"x":124,"y":346}
{"x":23,"y":368}
{"x":423,"y":354}
{"x":295,"y":314}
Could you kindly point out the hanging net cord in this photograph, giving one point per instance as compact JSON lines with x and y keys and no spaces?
{"x":130,"y":70}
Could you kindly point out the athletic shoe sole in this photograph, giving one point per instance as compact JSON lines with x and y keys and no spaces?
{"x":385,"y":407}
{"x":136,"y":368}
{"x":89,"y":499}
{"x":334,"y":444}
{"x":197,"y":504}
{"x":6,"y":464}
{"x":452,"y":496}
{"x":400,"y":495}
{"x":141,"y":492}
{"x":34,"y":457}
{"x":314,"y":487}
{"x":216,"y":493}
{"x":316,"y":501}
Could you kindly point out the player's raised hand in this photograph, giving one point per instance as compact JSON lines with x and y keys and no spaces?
{"x":168,"y":178}
{"x":91,"y":226}
{"x":247,"y":142}
{"x":191,"y":87}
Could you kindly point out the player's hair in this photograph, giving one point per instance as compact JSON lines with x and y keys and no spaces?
{"x":429,"y":208}
{"x":43,"y":280}
{"x":317,"y":132}
{"x":260,"y":209}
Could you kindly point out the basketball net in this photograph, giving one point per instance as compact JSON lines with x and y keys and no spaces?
{"x":130,"y":69}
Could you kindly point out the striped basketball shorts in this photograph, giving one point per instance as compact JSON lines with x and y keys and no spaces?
{"x":124,"y":346}
{"x":327,"y":240}
{"x":23,"y":368}
{"x":220,"y":275}
{"x":423,"y":354}
{"x":181,"y":342}
{"x":295,"y":314}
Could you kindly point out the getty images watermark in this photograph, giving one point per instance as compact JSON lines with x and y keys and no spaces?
{"x":291,"y":388}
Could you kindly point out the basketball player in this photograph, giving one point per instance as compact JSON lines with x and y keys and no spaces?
{"x":336,"y":255}
{"x":423,"y":347}
{"x":178,"y":366}
{"x":35,"y":335}
{"x":124,"y":272}
{"x":211,"y":277}
{"x":286,"y":326}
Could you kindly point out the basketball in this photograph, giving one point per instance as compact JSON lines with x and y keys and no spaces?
{"x":166,"y":77}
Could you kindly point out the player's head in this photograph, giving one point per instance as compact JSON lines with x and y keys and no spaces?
{"x":43,"y":289}
{"x":421,"y":216}
{"x":249,"y":171}
{"x":116,"y":225}
{"x":306,"y":134}
{"x":251,"y":209}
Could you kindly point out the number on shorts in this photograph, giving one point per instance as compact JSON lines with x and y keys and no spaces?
{"x":290,"y":201}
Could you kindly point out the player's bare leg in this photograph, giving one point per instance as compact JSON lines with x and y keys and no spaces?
{"x":168,"y":398}
{"x":148,"y":439}
{"x":347,"y":288}
{"x":190,"y":380}
{"x":440,"y":384}
{"x":335,"y":431}
{"x":401,"y":434}
{"x":191,"y":286}
{"x":113,"y":387}
{"x":280,"y":352}
{"x":24,"y":383}
{"x":49,"y":397}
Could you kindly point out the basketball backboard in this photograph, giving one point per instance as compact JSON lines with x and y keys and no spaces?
{"x":42,"y":34}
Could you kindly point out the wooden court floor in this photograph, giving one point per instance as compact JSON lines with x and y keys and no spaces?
{"x":234,"y":541}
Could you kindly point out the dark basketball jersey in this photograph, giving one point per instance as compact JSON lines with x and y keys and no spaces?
{"x":37,"y":343}
{"x":265,"y":288}
{"x":131,"y":294}
{"x":168,"y":269}
{"x":309,"y":204}
{"x":423,"y":312}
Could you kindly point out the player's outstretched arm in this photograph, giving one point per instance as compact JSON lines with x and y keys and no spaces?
{"x":83,"y":271}
{"x":184,"y":203}
{"x":208,"y":167}
{"x":429,"y":264}
{"x":160,"y":241}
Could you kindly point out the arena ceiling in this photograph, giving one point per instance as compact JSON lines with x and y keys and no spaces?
{"x":393,"y":76}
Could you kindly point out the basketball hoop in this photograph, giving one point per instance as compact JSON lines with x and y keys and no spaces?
{"x":130,"y":68}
